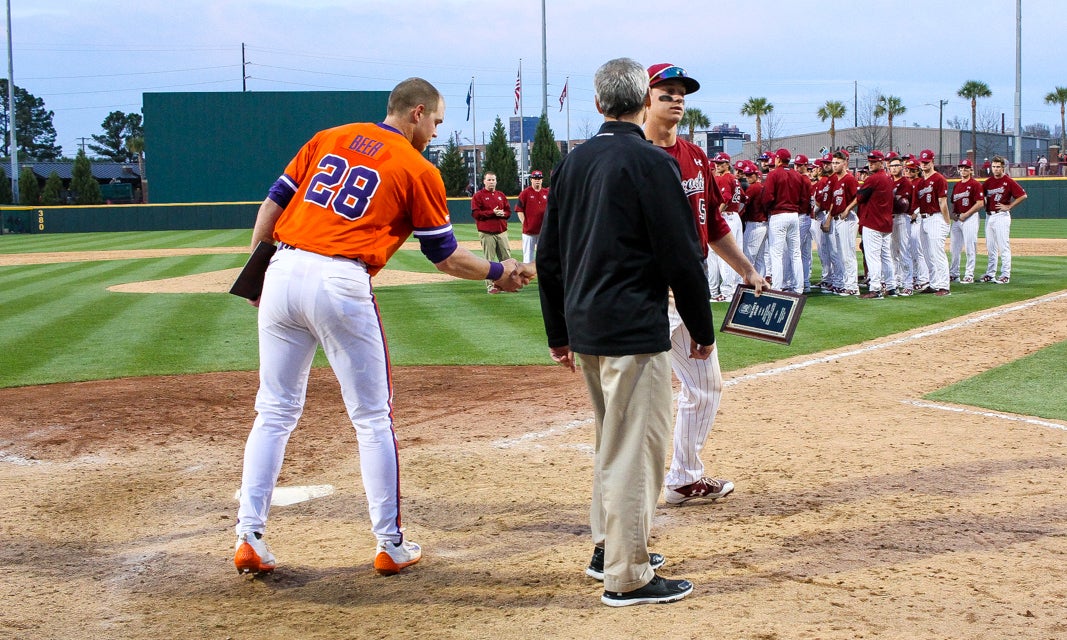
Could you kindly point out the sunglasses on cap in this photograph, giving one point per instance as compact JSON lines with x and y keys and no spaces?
{"x":668,"y":73}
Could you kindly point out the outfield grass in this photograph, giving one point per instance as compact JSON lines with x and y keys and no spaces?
{"x":61,"y":324}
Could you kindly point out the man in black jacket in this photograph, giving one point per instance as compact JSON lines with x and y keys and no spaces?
{"x":618,"y":233}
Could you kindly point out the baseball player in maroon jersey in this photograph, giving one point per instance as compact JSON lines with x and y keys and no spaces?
{"x":967,"y":201}
{"x":784,"y":193}
{"x":754,"y":217}
{"x":842,"y":223}
{"x":701,"y":380}
{"x":875,"y":198}
{"x":931,"y":194}
{"x":531,"y":211}
{"x":720,"y":272}
{"x":920,"y":271}
{"x":821,"y":202}
{"x":1002,"y":194}
{"x":901,"y":239}
{"x":803,"y":167}
{"x":491,"y":210}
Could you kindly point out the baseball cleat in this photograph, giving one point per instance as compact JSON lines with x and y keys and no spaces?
{"x":967,"y":280}
{"x":1003,"y":280}
{"x":596,"y":565}
{"x":390,"y":557}
{"x":942,"y":292}
{"x":252,"y":554}
{"x":987,"y":278}
{"x":709,"y":488}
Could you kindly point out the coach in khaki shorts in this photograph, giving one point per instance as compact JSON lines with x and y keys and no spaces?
{"x":618,"y":233}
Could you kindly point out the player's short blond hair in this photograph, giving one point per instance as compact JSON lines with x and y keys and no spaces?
{"x":411,"y":93}
{"x":1001,"y":160}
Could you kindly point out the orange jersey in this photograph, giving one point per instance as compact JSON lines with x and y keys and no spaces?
{"x":359,"y":191}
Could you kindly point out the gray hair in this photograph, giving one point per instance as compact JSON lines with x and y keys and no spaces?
{"x":621,"y":87}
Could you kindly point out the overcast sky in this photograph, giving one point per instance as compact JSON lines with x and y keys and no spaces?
{"x":86,"y":58}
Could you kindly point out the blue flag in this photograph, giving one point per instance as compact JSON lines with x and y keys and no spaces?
{"x":470,"y":90}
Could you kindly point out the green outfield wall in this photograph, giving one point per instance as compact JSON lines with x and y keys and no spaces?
{"x":1047,"y":199}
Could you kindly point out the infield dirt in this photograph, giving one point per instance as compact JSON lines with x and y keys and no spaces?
{"x":858,"y":513}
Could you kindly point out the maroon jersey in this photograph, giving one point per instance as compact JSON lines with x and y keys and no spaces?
{"x":928,"y":190}
{"x":532,"y":204}
{"x":700,"y":188}
{"x":965,"y":195}
{"x":842,"y":192}
{"x":730,"y":191}
{"x":822,"y":193}
{"x":903,"y":192}
{"x":784,"y":191}
{"x":876,"y":202}
{"x":482,"y":204}
{"x":753,"y":211}
{"x":1000,"y":191}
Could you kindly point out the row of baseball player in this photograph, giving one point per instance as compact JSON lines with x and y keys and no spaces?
{"x":353,"y":194}
{"x":903,"y":216}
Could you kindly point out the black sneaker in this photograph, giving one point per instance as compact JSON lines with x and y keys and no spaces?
{"x":660,"y":590}
{"x":596,"y":565}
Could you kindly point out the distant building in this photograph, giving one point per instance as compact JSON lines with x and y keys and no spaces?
{"x":120,"y":183}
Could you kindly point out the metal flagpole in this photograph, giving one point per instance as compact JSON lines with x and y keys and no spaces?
{"x":522,"y":132}
{"x":14,"y":147}
{"x":544,"y":64}
{"x":1019,"y":82}
{"x":474,"y":134}
{"x":566,"y":87}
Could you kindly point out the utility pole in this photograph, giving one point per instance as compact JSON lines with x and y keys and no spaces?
{"x":544,"y":65}
{"x":81,"y":143}
{"x":11,"y":111}
{"x":1018,"y":81}
{"x":244,"y":69}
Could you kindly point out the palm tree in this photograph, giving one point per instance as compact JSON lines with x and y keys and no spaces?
{"x":691,"y":119}
{"x":972,"y":90}
{"x":831,"y":111}
{"x":757,"y":107}
{"x":889,"y":106}
{"x":1059,"y":95}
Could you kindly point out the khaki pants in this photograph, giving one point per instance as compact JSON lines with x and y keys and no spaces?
{"x":495,"y":247}
{"x":631,"y":398}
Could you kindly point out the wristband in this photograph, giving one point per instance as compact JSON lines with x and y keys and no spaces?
{"x":496,"y":270}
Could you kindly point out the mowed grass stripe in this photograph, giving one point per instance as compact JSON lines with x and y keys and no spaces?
{"x":124,"y":240}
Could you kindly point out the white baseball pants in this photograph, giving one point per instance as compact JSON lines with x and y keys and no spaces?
{"x":309,"y":299}
{"x":934,"y":231}
{"x":529,"y":247}
{"x":783,"y":234}
{"x":998,"y":245}
{"x":901,"y":248}
{"x":844,"y":240}
{"x":879,"y":248}
{"x":963,"y":238}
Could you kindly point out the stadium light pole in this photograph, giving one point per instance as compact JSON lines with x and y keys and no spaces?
{"x":940,"y":127}
{"x":1018,"y":81}
{"x":544,"y":64}
{"x":11,"y":112}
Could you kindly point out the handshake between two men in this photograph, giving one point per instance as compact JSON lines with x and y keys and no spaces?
{"x":516,"y":275}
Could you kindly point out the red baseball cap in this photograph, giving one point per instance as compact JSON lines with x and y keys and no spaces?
{"x":892,"y":155}
{"x":827,"y":159}
{"x":966,"y":163}
{"x":926,"y":155}
{"x":875,"y":156}
{"x":750,"y":168}
{"x":536,"y":175}
{"x":801,"y":160}
{"x":721,"y":157}
{"x":783,"y":154}
{"x":664,"y":71}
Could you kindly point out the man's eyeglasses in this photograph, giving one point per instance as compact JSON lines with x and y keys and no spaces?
{"x":895,"y":166}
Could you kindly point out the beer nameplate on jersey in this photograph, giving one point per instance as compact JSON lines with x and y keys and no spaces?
{"x":773,"y":316}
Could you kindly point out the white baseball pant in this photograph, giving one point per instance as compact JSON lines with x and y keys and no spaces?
{"x":998,"y":244}
{"x":844,"y":239}
{"x":901,"y":247}
{"x":963,"y":238}
{"x":755,"y":246}
{"x":529,"y":247}
{"x":824,"y":246}
{"x":934,"y":231}
{"x":309,"y":299}
{"x":879,"y":248}
{"x":805,"y":251}
{"x":783,"y":233}
{"x":920,"y":268}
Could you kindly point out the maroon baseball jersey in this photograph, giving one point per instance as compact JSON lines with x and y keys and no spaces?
{"x":753,"y":211}
{"x":903,"y":192}
{"x":876,"y":202}
{"x":1000,"y":191}
{"x":482,"y":204}
{"x":700,"y":188}
{"x":842,"y":192}
{"x":730,"y":191}
{"x":822,"y":193}
{"x":784,"y":191}
{"x":532,"y":204}
{"x":965,"y":194}
{"x":928,"y":190}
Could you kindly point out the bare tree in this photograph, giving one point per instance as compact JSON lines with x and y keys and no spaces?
{"x":586,"y":129}
{"x":1037,"y":130}
{"x":870,"y":133}
{"x":772,"y":130}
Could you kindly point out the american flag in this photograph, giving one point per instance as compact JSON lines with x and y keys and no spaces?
{"x":563,"y":96}
{"x":518,"y":89}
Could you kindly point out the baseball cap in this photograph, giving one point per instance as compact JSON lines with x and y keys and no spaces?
{"x":966,"y":163}
{"x":926,"y":155}
{"x":535,"y":174}
{"x":875,"y":156}
{"x":750,"y":168}
{"x":740,"y":166}
{"x":827,"y":159}
{"x":783,"y":154}
{"x":801,"y":160}
{"x":766,"y":155}
{"x":664,"y":71}
{"x":721,"y":157}
{"x":892,"y":155}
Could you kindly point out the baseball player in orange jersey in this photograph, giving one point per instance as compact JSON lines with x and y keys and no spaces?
{"x":347,"y":201}
{"x":701,"y":380}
